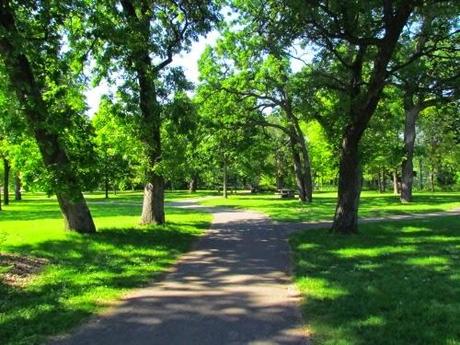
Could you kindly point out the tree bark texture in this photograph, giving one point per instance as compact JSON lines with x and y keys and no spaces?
{"x":17,"y":187}
{"x":65,"y":183}
{"x":407,"y":172}
{"x":150,"y":120}
{"x":153,"y":204}
{"x":350,"y":182}
{"x":301,"y":159}
{"x":395,"y":183}
{"x":193,"y":183}
{"x":6,"y":181}
{"x":364,"y":101}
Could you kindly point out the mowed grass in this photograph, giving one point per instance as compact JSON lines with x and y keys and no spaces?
{"x":323,"y":206}
{"x":84,"y":273}
{"x":394,"y":283}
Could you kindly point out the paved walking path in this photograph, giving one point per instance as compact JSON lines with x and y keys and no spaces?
{"x":234,"y":288}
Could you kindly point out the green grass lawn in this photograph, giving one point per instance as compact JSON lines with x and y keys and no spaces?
{"x":83,"y":273}
{"x":394,"y":283}
{"x":372,"y":204}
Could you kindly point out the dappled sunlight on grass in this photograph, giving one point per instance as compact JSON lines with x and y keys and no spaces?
{"x":395,"y":283}
{"x":84,"y":272}
{"x":372,"y":205}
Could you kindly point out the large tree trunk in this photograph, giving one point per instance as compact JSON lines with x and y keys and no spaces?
{"x":150,"y":122}
{"x":363,"y":102}
{"x":395,"y":183}
{"x":106,"y":187}
{"x":407,"y":174}
{"x":65,"y":184}
{"x":350,"y":181}
{"x":298,"y":171}
{"x":6,"y":181}
{"x":17,"y":187}
{"x":193,"y":183}
{"x":300,"y":157}
{"x":153,"y":204}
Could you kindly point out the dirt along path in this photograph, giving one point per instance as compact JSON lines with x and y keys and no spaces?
{"x":233,"y":288}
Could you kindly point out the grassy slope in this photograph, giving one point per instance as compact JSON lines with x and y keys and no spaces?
{"x":372,"y":204}
{"x":395,"y":283}
{"x":84,"y":273}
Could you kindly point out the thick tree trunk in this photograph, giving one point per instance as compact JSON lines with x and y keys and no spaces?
{"x":279,"y":181}
{"x":300,"y":157}
{"x":150,"y":122}
{"x":350,"y":182}
{"x":306,"y":168}
{"x":65,"y":184}
{"x":299,"y":176}
{"x":407,"y":173}
{"x":395,"y":183}
{"x":153,"y":203}
{"x":17,"y":187}
{"x":192,"y":186}
{"x":6,"y":181}
{"x":363,"y":103}
{"x":106,"y":187}
{"x":224,"y":185}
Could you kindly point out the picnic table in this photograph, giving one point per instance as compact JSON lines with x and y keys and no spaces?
{"x":285,"y":193}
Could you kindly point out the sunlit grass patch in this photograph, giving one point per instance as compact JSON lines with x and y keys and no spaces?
{"x":83,"y":273}
{"x":394,"y":283}
{"x":323,"y":206}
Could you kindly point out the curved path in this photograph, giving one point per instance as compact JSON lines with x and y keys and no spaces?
{"x":233,"y":288}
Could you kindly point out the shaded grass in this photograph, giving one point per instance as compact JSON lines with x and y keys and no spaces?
{"x":85,"y":273}
{"x":372,"y":205}
{"x":394,"y":283}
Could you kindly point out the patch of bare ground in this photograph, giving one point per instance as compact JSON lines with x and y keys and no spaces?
{"x":16,"y":270}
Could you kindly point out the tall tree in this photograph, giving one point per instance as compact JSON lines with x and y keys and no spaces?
{"x":140,"y":40}
{"x":354,"y":46}
{"x":430,"y":81}
{"x":39,"y":73}
{"x":252,"y":70}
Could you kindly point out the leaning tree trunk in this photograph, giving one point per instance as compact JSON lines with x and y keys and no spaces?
{"x":306,"y":166}
{"x":64,"y":182}
{"x":407,"y":174}
{"x":17,"y":187}
{"x":6,"y":181}
{"x":300,"y":156}
{"x":299,"y":176}
{"x":350,"y":182}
